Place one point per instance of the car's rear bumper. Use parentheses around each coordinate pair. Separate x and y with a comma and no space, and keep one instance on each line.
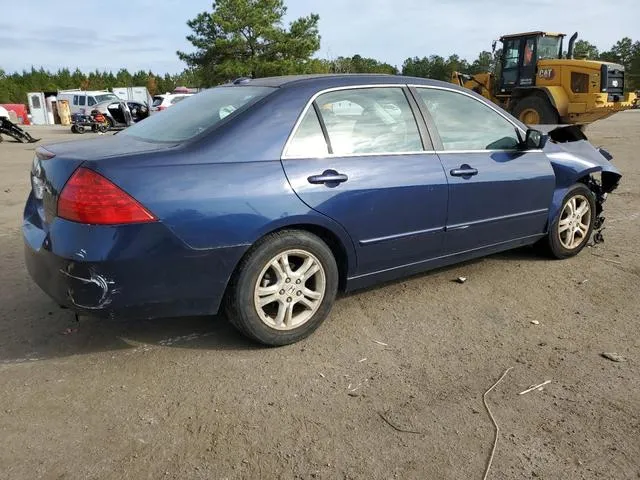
(133,271)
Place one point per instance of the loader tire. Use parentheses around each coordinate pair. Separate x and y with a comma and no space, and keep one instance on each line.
(535,110)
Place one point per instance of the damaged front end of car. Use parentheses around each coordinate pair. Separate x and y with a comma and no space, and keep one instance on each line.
(575,160)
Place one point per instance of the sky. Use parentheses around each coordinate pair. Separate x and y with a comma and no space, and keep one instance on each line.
(145,34)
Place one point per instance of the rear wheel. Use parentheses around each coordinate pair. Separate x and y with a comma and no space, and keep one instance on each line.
(284,288)
(572,229)
(535,110)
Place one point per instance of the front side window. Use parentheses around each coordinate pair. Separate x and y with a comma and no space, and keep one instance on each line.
(82,100)
(369,120)
(197,114)
(465,123)
(91,101)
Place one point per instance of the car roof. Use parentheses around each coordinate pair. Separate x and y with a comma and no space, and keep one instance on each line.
(335,80)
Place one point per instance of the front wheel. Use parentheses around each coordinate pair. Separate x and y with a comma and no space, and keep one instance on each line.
(572,229)
(284,288)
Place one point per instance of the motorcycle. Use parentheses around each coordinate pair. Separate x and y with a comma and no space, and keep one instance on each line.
(97,122)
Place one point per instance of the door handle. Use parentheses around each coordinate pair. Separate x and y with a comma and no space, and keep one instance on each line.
(330,178)
(464,171)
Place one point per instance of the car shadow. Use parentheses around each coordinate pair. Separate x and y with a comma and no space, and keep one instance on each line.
(523,254)
(33,328)
(47,332)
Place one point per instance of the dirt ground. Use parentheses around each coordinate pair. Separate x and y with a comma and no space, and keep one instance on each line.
(189,398)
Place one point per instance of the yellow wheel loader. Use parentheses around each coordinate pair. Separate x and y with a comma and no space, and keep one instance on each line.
(536,84)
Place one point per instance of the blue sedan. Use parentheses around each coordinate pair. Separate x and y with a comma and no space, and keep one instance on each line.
(265,197)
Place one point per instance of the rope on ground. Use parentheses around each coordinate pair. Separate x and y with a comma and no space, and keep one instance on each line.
(497,428)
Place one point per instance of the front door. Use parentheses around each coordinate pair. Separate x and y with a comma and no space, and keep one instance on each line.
(497,193)
(38,108)
(358,157)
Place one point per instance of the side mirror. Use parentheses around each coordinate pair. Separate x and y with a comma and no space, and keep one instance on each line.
(534,140)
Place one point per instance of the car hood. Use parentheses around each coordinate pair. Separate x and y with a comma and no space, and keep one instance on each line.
(105,147)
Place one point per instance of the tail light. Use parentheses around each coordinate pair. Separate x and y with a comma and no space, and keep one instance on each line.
(88,197)
(160,108)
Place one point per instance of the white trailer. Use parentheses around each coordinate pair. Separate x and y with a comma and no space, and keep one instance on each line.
(138,94)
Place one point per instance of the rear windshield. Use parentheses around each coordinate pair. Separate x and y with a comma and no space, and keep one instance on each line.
(196,114)
(157,101)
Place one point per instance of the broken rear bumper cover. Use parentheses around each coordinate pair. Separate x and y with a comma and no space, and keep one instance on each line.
(133,271)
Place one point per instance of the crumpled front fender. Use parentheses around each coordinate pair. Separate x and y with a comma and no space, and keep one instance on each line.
(573,159)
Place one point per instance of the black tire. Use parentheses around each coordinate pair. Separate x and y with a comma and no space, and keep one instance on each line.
(74,128)
(80,129)
(240,307)
(547,113)
(102,128)
(553,244)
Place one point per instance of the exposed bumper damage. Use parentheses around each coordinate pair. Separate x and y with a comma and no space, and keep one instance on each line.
(575,159)
(88,290)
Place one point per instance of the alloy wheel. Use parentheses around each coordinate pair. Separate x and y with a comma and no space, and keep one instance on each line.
(289,289)
(575,221)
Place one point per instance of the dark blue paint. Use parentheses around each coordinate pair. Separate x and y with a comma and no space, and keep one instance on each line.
(385,198)
(507,199)
(217,195)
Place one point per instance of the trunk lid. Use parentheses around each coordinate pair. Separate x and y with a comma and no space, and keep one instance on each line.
(54,164)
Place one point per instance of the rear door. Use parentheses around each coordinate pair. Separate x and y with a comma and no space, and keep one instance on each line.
(357,156)
(497,193)
(38,108)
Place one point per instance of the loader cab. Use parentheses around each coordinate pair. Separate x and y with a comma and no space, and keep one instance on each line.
(520,55)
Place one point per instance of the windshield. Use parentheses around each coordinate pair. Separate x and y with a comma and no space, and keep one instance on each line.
(549,47)
(157,101)
(196,114)
(106,97)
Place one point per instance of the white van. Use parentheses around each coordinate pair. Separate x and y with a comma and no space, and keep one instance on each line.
(81,101)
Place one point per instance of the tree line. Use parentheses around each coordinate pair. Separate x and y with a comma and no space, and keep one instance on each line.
(15,86)
(248,38)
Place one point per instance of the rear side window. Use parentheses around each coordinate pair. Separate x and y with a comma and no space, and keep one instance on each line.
(75,99)
(465,123)
(369,120)
(197,114)
(308,141)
